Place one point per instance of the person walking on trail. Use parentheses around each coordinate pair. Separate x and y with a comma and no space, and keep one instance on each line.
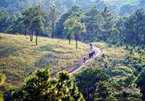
(89,54)
(91,50)
(91,46)
(84,59)
(94,53)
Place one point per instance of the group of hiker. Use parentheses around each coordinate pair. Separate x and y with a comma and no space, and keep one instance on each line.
(91,53)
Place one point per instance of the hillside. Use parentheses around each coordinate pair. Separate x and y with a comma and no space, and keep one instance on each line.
(19,57)
(117,67)
(72,50)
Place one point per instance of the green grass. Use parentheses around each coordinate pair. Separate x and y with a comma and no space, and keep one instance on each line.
(19,57)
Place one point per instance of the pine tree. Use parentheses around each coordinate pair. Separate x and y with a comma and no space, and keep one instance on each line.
(60,29)
(104,92)
(108,23)
(115,36)
(41,87)
(53,17)
(74,27)
(3,17)
(38,25)
(135,28)
(86,82)
(94,23)
(29,14)
(68,25)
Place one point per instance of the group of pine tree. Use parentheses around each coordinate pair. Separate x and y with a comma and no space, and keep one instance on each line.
(94,25)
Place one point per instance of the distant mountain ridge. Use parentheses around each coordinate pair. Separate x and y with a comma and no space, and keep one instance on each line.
(119,7)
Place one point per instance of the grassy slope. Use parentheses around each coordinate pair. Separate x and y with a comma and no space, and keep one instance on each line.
(19,57)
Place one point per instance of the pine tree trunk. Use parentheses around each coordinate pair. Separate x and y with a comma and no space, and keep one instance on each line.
(32,35)
(52,30)
(76,38)
(69,41)
(76,44)
(52,35)
(14,30)
(36,37)
(69,37)
(25,31)
(144,39)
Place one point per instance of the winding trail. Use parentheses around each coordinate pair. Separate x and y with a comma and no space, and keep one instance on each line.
(97,51)
(78,65)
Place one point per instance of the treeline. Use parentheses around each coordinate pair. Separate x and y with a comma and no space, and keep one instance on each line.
(22,22)
(100,25)
(95,25)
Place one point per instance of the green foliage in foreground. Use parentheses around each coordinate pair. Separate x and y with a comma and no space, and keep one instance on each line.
(1,97)
(2,80)
(86,82)
(41,87)
(141,83)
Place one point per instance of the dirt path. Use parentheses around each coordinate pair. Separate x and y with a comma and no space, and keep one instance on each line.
(97,50)
(78,65)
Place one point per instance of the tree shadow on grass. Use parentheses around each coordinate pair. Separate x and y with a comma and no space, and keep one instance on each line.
(9,51)
(47,47)
(46,60)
